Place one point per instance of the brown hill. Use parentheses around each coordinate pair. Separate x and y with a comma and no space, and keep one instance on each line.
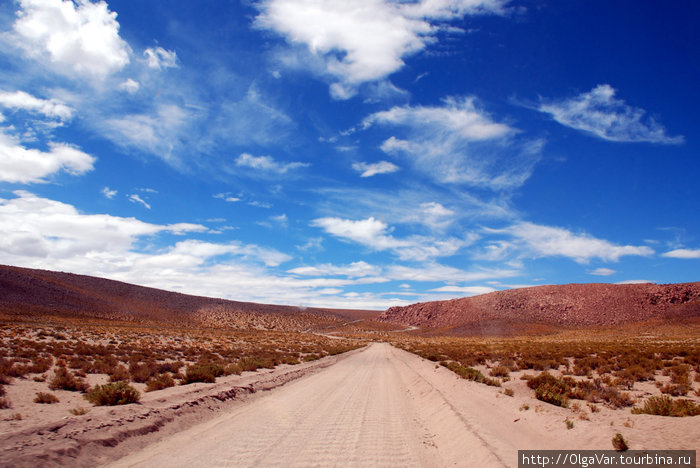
(27,292)
(574,305)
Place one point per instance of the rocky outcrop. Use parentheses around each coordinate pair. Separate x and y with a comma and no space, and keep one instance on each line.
(563,305)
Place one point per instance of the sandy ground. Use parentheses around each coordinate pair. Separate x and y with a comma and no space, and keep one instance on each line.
(386,407)
(377,406)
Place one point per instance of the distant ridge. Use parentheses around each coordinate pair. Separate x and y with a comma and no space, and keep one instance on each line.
(26,292)
(565,305)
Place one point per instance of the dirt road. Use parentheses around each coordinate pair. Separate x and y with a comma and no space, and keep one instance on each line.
(383,406)
(377,407)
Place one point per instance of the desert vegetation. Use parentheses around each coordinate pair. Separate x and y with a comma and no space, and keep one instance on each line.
(648,374)
(124,360)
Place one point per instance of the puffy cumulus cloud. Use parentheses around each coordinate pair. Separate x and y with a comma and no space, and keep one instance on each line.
(59,231)
(130,86)
(369,170)
(683,253)
(37,232)
(458,143)
(158,57)
(376,235)
(51,108)
(75,37)
(600,114)
(19,164)
(535,241)
(363,40)
(267,164)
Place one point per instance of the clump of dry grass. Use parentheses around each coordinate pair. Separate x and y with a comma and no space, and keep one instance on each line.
(160,382)
(46,398)
(114,393)
(63,379)
(470,373)
(666,406)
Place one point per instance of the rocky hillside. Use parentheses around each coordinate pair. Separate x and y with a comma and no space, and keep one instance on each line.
(565,305)
(26,292)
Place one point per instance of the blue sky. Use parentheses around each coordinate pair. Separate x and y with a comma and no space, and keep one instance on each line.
(351,154)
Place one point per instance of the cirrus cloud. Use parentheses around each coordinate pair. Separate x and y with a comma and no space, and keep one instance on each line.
(600,114)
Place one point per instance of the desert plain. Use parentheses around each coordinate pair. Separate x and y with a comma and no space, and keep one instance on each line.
(99,373)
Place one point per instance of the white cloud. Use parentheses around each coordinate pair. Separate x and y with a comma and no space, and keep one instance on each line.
(535,241)
(602,272)
(41,233)
(376,235)
(154,132)
(76,37)
(158,57)
(353,270)
(133,198)
(267,164)
(109,193)
(458,117)
(130,86)
(363,40)
(227,197)
(27,165)
(59,231)
(369,170)
(466,290)
(682,253)
(599,113)
(458,143)
(635,281)
(51,108)
(436,272)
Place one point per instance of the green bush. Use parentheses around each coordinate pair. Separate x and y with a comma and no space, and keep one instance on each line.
(550,389)
(114,393)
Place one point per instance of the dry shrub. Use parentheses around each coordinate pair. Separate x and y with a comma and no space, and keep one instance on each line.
(470,373)
(619,443)
(78,411)
(5,403)
(45,398)
(41,365)
(550,389)
(120,374)
(665,406)
(233,369)
(202,372)
(499,371)
(114,393)
(64,380)
(160,382)
(142,372)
